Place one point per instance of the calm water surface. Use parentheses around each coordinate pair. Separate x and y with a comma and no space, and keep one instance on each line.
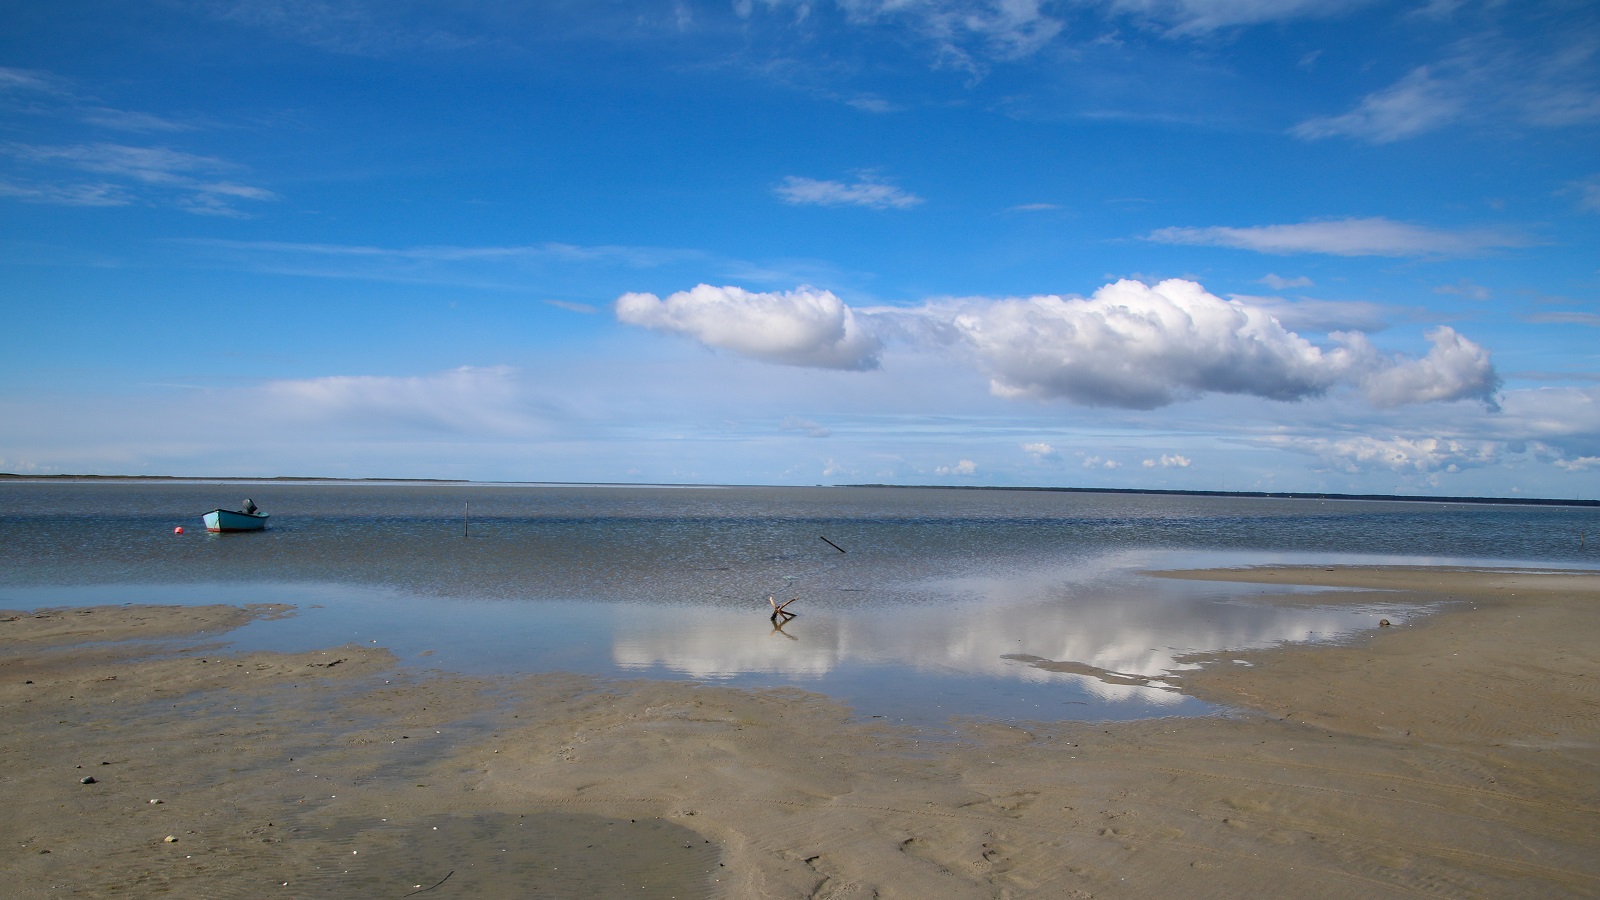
(921,618)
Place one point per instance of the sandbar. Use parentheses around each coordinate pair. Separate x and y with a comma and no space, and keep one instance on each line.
(1454,754)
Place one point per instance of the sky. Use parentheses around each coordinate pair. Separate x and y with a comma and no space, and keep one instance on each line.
(1256,245)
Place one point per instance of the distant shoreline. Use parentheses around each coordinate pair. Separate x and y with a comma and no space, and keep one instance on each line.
(1169,492)
(12,476)
(1275,495)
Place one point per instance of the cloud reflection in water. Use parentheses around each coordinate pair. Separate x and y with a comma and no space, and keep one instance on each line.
(1129,626)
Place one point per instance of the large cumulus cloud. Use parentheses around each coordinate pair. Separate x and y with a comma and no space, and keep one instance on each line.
(803,327)
(1454,369)
(1129,345)
(1138,346)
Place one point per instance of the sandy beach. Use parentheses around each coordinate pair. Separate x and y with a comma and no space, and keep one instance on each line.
(1453,755)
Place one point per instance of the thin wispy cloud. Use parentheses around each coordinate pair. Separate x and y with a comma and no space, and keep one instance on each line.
(1375,236)
(498,268)
(1586,191)
(128,120)
(465,400)
(79,194)
(1465,288)
(1279,283)
(355,27)
(28,81)
(1531,64)
(151,174)
(967,35)
(805,427)
(1182,18)
(570,306)
(52,173)
(865,191)
(1417,104)
(1564,318)
(47,95)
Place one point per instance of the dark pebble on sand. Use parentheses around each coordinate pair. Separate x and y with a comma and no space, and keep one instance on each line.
(87,779)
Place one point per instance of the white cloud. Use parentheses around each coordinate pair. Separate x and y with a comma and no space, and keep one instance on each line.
(1553,426)
(804,327)
(1042,452)
(1375,236)
(963,468)
(1398,454)
(1279,283)
(1454,369)
(1581,464)
(1565,416)
(1098,462)
(1136,346)
(1169,461)
(867,191)
(1130,345)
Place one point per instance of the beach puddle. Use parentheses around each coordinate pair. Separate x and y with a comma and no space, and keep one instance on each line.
(551,855)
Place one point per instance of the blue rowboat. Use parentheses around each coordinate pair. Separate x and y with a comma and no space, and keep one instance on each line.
(233,520)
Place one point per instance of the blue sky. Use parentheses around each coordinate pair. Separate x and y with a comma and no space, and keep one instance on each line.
(1198,244)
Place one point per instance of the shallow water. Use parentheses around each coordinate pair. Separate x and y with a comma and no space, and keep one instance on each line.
(922,616)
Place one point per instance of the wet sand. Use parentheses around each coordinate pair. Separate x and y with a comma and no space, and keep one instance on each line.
(1454,755)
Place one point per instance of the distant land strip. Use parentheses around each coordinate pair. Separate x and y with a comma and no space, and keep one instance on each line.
(1282,495)
(220,478)
(1279,495)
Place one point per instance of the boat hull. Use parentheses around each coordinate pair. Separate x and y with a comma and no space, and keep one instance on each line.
(232,520)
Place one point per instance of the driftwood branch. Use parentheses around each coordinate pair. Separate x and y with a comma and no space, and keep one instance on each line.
(778,608)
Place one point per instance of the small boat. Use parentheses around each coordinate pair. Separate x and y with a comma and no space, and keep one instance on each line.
(247,519)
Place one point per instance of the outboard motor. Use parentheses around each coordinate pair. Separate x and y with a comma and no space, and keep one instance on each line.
(250,506)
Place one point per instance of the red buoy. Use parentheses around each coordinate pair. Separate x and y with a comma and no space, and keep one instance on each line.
(178,530)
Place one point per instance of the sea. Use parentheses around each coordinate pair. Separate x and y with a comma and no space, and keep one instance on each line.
(926,606)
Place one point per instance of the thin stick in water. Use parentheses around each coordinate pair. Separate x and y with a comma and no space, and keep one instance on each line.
(431,887)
